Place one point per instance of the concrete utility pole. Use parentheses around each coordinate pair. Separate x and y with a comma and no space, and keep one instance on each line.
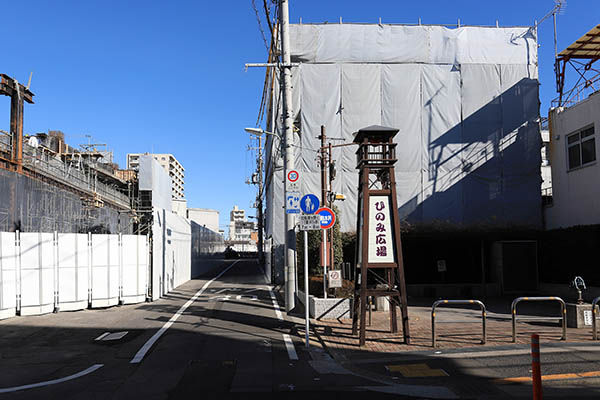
(259,205)
(290,219)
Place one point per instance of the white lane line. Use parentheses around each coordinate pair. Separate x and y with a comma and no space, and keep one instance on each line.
(289,345)
(142,352)
(54,381)
(275,304)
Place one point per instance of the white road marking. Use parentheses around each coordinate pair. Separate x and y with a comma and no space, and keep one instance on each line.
(102,336)
(142,352)
(54,381)
(275,304)
(289,345)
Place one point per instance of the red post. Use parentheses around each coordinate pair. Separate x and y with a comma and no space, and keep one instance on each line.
(536,375)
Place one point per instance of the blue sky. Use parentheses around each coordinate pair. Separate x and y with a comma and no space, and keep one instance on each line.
(168,76)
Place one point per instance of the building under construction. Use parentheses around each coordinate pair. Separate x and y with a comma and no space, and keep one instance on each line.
(465,101)
(47,185)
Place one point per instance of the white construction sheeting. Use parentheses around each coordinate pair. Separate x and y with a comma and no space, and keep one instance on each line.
(37,273)
(172,242)
(8,275)
(154,178)
(465,101)
(59,272)
(134,269)
(105,270)
(73,271)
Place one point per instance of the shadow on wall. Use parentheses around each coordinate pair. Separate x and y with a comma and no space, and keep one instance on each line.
(486,169)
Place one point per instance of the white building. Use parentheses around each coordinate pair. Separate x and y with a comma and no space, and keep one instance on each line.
(575,170)
(205,217)
(169,164)
(240,231)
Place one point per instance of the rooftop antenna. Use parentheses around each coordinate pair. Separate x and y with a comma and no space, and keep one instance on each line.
(559,9)
(29,81)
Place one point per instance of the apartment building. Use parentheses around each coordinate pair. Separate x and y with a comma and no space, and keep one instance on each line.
(169,164)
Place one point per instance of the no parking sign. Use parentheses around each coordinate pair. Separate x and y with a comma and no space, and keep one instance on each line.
(327,217)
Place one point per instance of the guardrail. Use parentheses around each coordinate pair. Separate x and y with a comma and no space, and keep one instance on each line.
(563,317)
(462,302)
(594,317)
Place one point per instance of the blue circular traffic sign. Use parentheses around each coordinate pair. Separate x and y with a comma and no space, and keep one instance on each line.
(327,217)
(309,204)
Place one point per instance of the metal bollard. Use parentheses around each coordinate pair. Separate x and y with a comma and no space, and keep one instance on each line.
(536,375)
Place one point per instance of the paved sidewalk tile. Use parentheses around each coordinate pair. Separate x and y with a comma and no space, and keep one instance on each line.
(337,334)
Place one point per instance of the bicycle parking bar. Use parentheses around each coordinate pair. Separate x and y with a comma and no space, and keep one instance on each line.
(462,302)
(594,317)
(563,317)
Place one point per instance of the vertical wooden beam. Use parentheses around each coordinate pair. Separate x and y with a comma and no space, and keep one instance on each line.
(400,259)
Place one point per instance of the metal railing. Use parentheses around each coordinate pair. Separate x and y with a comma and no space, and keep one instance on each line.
(462,302)
(595,317)
(562,318)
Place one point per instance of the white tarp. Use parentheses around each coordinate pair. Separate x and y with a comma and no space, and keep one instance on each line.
(8,275)
(154,178)
(364,43)
(465,102)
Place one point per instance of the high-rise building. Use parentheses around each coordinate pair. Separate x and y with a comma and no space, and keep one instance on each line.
(169,164)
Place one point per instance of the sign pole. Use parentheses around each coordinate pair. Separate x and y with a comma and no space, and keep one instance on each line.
(324,263)
(306,305)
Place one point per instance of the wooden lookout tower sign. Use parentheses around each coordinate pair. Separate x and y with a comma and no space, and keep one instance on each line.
(379,251)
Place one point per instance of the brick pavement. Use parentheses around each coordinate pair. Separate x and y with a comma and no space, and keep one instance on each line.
(337,334)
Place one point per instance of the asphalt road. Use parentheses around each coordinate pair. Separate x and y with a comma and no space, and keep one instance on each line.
(223,336)
(210,338)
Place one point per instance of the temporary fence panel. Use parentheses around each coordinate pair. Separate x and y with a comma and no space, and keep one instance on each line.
(105,269)
(8,275)
(134,266)
(37,259)
(73,271)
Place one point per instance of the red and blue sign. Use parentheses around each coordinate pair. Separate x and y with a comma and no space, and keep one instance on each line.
(327,217)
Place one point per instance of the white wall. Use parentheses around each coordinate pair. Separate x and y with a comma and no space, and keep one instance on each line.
(205,217)
(576,193)
(45,272)
(171,252)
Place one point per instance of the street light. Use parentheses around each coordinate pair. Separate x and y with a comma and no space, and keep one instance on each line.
(259,132)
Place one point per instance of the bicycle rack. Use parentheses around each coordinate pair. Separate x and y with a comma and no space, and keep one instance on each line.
(466,302)
(563,317)
(594,317)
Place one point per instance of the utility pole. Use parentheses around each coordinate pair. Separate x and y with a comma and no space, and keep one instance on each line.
(261,259)
(324,166)
(290,220)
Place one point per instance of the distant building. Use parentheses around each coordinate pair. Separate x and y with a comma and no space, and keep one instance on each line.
(169,164)
(179,207)
(205,217)
(240,231)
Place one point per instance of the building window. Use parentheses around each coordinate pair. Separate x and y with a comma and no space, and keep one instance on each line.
(581,148)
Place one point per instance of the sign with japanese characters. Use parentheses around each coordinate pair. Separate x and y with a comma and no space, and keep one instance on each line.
(381,245)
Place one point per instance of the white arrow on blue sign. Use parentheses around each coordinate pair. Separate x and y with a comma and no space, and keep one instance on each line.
(309,204)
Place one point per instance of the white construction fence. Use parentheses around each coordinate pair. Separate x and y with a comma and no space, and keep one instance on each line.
(48,272)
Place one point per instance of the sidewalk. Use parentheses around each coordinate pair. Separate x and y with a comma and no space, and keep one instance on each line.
(339,341)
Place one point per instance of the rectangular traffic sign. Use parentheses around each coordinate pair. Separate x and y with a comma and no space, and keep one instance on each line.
(292,203)
(310,222)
